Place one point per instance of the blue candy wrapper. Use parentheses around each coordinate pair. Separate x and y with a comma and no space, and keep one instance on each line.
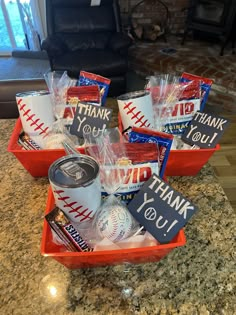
(163,140)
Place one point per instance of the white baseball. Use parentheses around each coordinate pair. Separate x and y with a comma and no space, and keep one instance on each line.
(114,223)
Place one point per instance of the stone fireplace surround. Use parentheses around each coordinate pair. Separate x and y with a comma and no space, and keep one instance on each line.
(177,14)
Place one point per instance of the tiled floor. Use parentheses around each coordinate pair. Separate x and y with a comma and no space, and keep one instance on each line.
(196,57)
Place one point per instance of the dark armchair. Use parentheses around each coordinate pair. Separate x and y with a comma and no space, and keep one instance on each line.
(82,36)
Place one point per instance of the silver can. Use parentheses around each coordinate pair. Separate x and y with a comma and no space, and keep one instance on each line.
(76,186)
(36,114)
(136,109)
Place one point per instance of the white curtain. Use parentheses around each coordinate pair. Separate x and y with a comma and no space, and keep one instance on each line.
(34,22)
(31,22)
(39,16)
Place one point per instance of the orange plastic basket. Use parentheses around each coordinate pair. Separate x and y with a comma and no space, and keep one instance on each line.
(185,162)
(188,162)
(75,260)
(36,162)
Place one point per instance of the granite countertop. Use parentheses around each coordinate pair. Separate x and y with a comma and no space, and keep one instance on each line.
(196,279)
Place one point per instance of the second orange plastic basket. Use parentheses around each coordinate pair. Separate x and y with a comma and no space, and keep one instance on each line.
(36,162)
(75,260)
(184,162)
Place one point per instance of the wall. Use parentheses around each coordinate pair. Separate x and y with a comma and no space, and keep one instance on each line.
(153,10)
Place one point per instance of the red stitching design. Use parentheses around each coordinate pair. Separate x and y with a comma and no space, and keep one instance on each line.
(115,227)
(30,117)
(136,115)
(67,204)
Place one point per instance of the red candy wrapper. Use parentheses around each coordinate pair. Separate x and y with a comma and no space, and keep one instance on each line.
(87,78)
(77,94)
(205,85)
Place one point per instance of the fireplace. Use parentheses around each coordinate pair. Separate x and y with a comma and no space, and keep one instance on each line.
(213,19)
(148,20)
(211,12)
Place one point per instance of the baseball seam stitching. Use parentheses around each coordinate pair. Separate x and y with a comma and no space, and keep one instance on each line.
(30,117)
(115,228)
(84,213)
(140,119)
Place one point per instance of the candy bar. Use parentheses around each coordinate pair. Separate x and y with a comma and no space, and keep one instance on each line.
(27,143)
(66,231)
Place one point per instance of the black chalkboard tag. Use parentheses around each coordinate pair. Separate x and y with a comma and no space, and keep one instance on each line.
(90,119)
(160,209)
(205,130)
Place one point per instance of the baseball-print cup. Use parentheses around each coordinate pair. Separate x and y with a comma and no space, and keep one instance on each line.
(76,186)
(136,109)
(36,114)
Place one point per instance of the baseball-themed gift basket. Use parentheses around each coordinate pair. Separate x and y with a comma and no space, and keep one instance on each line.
(74,259)
(45,118)
(106,207)
(108,201)
(168,104)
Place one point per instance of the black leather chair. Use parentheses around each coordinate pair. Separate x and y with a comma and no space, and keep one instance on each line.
(82,36)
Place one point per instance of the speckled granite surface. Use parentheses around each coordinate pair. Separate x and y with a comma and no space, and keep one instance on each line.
(197,279)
